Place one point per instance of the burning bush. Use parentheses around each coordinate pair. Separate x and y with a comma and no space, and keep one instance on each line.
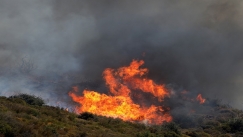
(122,83)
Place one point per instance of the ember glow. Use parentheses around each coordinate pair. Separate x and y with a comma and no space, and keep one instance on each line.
(200,99)
(121,83)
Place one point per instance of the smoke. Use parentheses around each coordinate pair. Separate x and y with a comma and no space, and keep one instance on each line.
(33,38)
(192,45)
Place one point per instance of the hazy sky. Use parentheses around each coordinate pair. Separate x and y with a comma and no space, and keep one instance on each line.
(194,45)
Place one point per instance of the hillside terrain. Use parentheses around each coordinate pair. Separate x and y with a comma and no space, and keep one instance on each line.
(26,116)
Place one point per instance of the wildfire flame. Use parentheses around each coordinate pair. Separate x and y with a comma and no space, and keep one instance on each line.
(119,104)
(200,99)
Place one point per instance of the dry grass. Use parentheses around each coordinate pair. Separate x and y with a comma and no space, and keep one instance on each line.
(21,119)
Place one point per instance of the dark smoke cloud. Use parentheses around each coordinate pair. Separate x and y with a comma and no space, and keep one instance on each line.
(194,45)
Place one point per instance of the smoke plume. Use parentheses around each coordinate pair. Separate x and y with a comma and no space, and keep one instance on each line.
(48,45)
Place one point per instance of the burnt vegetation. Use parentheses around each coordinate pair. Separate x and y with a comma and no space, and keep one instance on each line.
(26,115)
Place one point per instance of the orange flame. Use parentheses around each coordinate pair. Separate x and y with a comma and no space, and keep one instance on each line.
(121,83)
(200,99)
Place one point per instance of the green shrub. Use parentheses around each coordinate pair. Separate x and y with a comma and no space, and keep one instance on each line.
(29,99)
(226,128)
(239,134)
(3,108)
(138,126)
(71,117)
(50,130)
(197,134)
(185,121)
(233,126)
(6,130)
(171,134)
(225,135)
(18,101)
(212,132)
(236,125)
(203,134)
(143,134)
(191,133)
(171,127)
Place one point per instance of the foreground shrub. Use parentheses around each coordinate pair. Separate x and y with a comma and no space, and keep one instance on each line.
(6,130)
(171,134)
(235,125)
(86,116)
(171,127)
(197,134)
(30,99)
(185,121)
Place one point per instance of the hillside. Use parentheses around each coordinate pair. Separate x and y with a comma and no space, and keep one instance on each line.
(27,116)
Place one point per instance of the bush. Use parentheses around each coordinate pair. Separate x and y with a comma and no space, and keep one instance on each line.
(171,134)
(236,125)
(71,117)
(197,134)
(225,135)
(86,116)
(18,101)
(6,130)
(185,121)
(233,126)
(30,99)
(143,134)
(83,134)
(171,127)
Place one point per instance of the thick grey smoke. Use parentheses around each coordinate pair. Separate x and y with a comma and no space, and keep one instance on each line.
(34,38)
(193,45)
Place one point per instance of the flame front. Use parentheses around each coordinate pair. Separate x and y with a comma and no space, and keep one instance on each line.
(200,99)
(121,84)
